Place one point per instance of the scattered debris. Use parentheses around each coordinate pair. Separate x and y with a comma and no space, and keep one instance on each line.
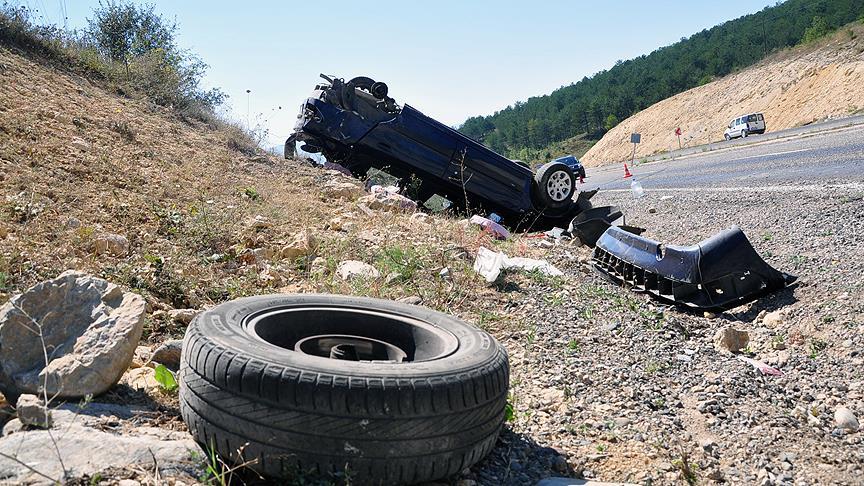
(91,326)
(495,229)
(762,367)
(388,202)
(589,225)
(721,272)
(489,264)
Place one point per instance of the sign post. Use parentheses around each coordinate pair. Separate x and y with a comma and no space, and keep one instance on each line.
(635,138)
(678,134)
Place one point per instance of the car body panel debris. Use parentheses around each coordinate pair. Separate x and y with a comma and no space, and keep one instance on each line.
(357,125)
(590,224)
(495,229)
(720,272)
(489,264)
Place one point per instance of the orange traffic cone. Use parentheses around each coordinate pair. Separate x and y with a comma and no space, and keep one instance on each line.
(627,171)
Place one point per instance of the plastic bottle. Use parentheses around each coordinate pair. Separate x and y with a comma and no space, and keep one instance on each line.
(636,189)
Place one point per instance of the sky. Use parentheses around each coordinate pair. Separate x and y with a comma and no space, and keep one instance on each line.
(450,59)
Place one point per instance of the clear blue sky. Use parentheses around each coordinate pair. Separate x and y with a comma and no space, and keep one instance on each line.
(450,59)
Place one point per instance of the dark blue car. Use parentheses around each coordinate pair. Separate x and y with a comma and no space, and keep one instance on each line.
(356,124)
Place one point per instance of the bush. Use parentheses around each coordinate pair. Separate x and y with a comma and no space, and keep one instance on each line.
(818,29)
(131,46)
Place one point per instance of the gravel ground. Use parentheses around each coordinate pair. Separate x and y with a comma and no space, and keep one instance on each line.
(610,384)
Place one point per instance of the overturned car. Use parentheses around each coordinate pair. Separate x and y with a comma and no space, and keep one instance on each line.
(357,125)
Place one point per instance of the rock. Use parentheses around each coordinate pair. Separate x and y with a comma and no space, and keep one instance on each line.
(340,190)
(87,446)
(182,316)
(128,482)
(91,326)
(351,269)
(773,319)
(31,412)
(304,243)
(111,244)
(73,223)
(389,202)
(412,299)
(259,223)
(3,231)
(256,256)
(731,339)
(845,419)
(652,210)
(80,144)
(709,315)
(168,354)
(143,379)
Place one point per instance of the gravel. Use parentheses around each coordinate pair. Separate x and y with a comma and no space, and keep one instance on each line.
(608,384)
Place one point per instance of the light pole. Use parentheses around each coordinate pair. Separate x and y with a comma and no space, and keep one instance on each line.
(248,94)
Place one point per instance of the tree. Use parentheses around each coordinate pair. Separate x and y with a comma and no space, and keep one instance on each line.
(818,28)
(610,122)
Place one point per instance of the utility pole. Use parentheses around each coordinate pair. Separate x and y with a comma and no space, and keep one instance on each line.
(248,92)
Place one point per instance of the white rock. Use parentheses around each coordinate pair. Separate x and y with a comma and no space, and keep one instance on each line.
(80,144)
(304,243)
(340,189)
(182,316)
(773,319)
(91,326)
(32,412)
(731,339)
(845,419)
(389,202)
(112,244)
(350,269)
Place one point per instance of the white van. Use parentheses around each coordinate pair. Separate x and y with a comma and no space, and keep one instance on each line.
(745,125)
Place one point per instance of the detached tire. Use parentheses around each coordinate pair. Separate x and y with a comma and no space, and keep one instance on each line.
(244,387)
(554,185)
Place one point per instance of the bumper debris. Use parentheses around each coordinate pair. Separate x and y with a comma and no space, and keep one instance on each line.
(720,272)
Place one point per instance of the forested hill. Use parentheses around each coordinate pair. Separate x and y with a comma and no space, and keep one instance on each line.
(595,104)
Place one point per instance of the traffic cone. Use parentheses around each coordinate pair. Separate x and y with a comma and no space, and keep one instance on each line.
(627,171)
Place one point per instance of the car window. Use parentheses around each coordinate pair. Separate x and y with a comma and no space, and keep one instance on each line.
(751,118)
(760,117)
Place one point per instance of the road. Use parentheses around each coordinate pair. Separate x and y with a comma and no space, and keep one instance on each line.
(834,157)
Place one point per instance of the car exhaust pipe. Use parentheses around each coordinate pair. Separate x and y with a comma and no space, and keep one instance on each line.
(718,273)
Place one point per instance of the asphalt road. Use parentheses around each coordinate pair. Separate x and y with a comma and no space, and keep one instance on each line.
(812,160)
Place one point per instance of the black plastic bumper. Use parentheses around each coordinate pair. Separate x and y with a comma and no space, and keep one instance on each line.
(720,272)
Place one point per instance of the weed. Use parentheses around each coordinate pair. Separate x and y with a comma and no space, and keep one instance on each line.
(817,346)
(798,260)
(251,193)
(530,337)
(587,311)
(486,317)
(574,345)
(767,236)
(553,300)
(4,281)
(509,411)
(165,378)
(601,447)
(687,468)
(655,366)
(826,319)
(404,262)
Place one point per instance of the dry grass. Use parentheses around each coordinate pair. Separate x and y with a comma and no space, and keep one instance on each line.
(77,162)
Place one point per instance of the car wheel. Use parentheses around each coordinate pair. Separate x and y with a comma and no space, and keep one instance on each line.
(727,137)
(554,185)
(743,133)
(322,385)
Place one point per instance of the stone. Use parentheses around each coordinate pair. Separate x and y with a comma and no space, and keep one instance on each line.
(143,379)
(128,482)
(773,319)
(259,223)
(340,190)
(83,437)
(4,232)
(411,299)
(80,144)
(731,340)
(73,223)
(652,210)
(303,244)
(389,202)
(845,419)
(111,244)
(351,269)
(182,316)
(168,354)
(91,326)
(31,412)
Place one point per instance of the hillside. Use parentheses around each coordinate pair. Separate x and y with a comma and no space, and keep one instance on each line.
(597,103)
(824,79)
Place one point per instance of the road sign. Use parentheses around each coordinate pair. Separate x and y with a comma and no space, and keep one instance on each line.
(635,137)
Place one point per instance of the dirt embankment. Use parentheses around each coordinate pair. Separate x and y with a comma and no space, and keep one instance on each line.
(793,88)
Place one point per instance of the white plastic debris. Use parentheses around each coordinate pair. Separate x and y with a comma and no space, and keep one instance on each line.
(490,226)
(489,264)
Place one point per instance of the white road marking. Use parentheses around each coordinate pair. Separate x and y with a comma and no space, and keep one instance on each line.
(855,186)
(771,155)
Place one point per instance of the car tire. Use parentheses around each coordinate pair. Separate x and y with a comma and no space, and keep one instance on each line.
(727,137)
(554,185)
(255,386)
(744,133)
